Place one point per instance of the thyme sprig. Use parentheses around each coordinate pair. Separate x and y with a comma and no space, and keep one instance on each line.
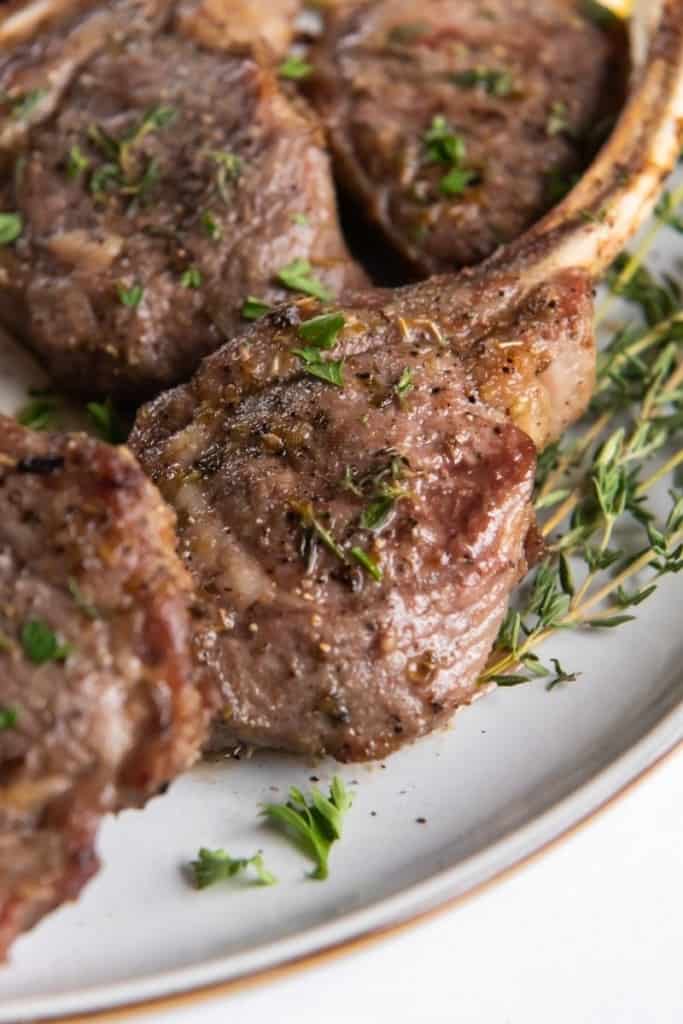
(608,546)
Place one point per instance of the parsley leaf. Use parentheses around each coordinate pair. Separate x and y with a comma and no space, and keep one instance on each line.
(314,822)
(254,308)
(11,226)
(131,297)
(322,331)
(40,413)
(8,718)
(295,69)
(192,277)
(329,370)
(298,277)
(443,145)
(40,643)
(456,181)
(218,866)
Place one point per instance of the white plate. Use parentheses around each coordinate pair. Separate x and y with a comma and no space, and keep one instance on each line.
(516,770)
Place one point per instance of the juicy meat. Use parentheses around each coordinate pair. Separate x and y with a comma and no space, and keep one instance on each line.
(98,707)
(517,85)
(159,185)
(285,487)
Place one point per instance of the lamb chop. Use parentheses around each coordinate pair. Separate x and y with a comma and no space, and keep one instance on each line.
(98,707)
(155,187)
(457,123)
(353,481)
(241,22)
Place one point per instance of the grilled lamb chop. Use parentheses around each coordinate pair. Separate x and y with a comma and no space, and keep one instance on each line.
(456,123)
(354,546)
(98,707)
(159,185)
(240,22)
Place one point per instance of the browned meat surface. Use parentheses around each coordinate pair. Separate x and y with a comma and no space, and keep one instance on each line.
(159,185)
(98,707)
(456,122)
(353,493)
(354,547)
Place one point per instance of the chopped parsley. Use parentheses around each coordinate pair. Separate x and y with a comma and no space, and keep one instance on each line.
(298,277)
(77,162)
(443,146)
(214,866)
(131,297)
(494,81)
(192,277)
(558,119)
(24,104)
(8,718)
(295,69)
(321,334)
(405,384)
(254,308)
(40,643)
(11,226)
(210,226)
(314,823)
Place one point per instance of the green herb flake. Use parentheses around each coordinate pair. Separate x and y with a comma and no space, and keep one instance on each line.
(107,422)
(40,643)
(210,226)
(368,563)
(214,866)
(405,384)
(24,104)
(442,144)
(255,308)
(295,69)
(494,81)
(8,718)
(40,413)
(130,297)
(298,276)
(104,179)
(77,162)
(322,331)
(11,227)
(378,513)
(456,181)
(81,601)
(301,219)
(191,278)
(331,371)
(558,120)
(314,823)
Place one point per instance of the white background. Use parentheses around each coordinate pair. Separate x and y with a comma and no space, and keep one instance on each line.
(589,933)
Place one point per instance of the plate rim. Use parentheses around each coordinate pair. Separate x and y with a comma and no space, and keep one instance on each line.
(440,892)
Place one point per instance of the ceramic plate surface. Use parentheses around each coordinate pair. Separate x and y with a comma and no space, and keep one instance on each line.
(513,772)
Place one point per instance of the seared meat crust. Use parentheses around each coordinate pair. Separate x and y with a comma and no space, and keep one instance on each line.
(105,713)
(159,185)
(522,84)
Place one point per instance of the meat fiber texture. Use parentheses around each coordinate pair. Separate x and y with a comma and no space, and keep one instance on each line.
(523,84)
(98,704)
(160,184)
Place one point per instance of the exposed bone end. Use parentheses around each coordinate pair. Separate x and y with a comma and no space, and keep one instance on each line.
(618,192)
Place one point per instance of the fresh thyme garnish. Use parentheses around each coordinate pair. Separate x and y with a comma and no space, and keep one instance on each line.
(8,718)
(229,170)
(404,384)
(368,563)
(314,822)
(210,226)
(595,487)
(298,276)
(313,525)
(77,162)
(254,308)
(40,643)
(295,69)
(11,226)
(214,866)
(122,170)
